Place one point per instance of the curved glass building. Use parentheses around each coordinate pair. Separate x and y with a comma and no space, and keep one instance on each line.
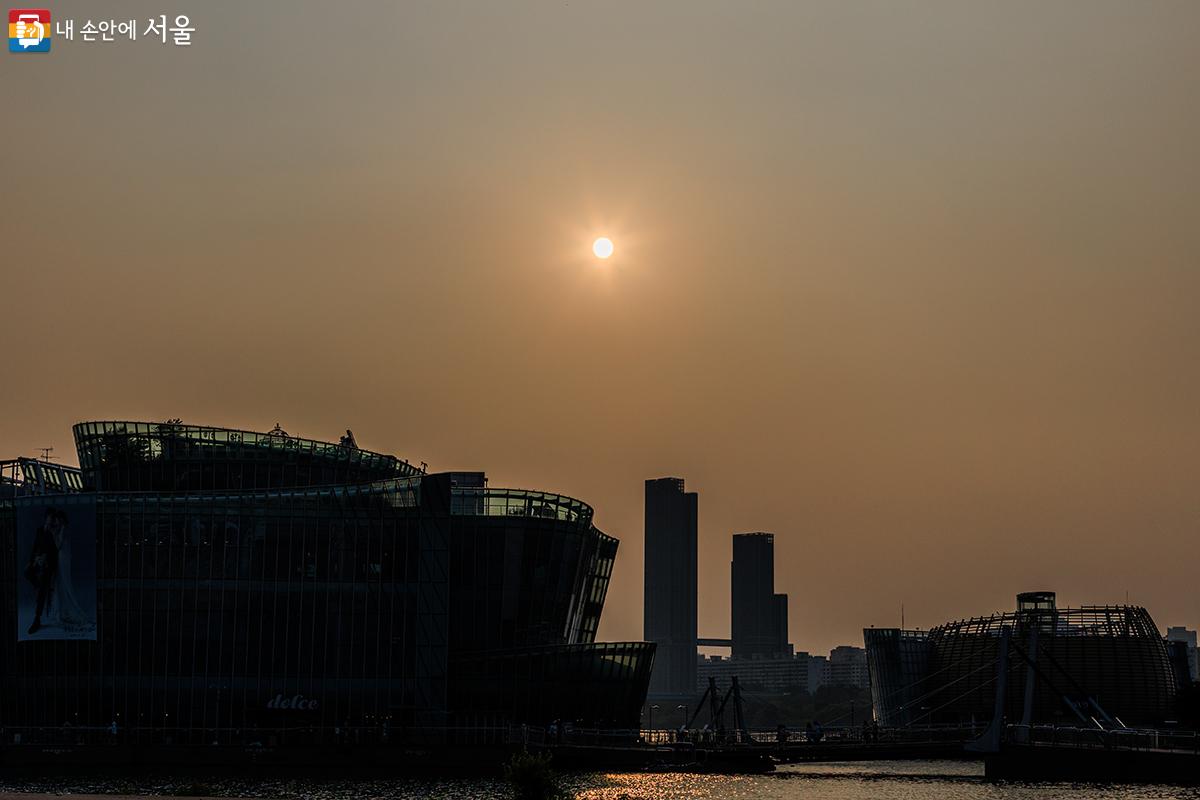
(194,585)
(1099,661)
(897,663)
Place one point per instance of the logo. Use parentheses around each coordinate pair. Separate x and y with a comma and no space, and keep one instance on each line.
(29,30)
(297,702)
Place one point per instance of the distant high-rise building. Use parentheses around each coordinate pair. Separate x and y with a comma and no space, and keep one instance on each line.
(670,587)
(759,616)
(781,625)
(798,672)
(1188,637)
(848,667)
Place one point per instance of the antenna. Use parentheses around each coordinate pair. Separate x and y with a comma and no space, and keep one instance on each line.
(46,451)
(901,616)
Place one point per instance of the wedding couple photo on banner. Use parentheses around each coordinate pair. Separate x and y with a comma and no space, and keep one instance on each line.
(56,556)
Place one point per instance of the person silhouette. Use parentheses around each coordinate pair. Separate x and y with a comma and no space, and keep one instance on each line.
(42,568)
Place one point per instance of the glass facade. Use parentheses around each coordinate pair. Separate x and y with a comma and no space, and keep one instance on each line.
(604,683)
(255,591)
(897,665)
(173,457)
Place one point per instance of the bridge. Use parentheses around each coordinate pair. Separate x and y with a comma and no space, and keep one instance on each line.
(1099,745)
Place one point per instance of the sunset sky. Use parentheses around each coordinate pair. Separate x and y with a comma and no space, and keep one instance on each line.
(915,286)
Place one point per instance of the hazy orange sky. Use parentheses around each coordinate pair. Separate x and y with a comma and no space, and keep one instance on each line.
(913,285)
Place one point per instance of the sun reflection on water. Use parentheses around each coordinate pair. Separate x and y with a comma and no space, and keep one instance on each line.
(669,786)
(881,780)
(931,780)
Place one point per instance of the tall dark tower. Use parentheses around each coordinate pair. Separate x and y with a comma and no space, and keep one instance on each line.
(759,616)
(670,588)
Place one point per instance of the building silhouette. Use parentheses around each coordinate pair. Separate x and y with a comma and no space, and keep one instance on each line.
(248,587)
(1187,638)
(897,666)
(848,667)
(798,672)
(669,616)
(759,616)
(1104,661)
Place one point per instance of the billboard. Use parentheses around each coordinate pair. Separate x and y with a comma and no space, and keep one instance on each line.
(56,568)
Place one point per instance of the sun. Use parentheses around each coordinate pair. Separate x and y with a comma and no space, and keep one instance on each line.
(602,247)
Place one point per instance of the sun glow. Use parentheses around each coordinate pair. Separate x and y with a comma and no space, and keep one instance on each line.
(602,247)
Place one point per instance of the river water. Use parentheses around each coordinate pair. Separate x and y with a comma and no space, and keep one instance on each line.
(880,780)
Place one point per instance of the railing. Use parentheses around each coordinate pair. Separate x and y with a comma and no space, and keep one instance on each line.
(401,492)
(91,433)
(33,477)
(851,735)
(518,503)
(1083,621)
(363,735)
(840,735)
(569,735)
(1108,739)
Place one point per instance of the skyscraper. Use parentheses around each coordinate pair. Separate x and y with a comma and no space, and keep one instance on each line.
(670,586)
(1188,637)
(759,616)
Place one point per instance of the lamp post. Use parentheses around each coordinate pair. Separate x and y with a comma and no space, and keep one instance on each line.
(653,708)
(684,709)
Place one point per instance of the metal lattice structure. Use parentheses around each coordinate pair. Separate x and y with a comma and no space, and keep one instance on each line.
(173,457)
(1107,660)
(29,476)
(1114,655)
